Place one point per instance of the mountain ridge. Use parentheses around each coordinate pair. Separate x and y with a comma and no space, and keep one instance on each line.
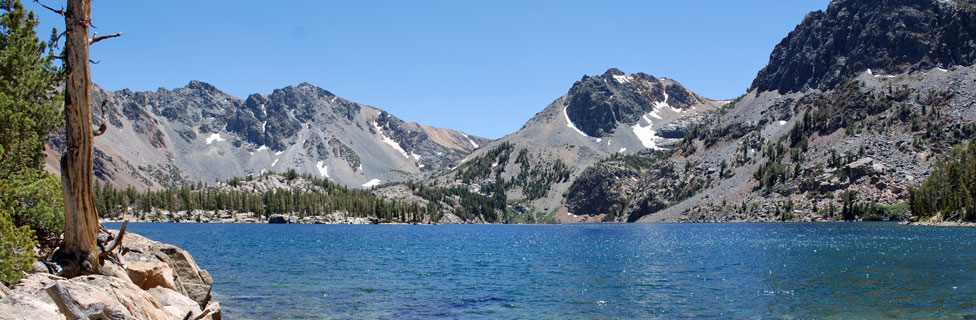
(888,36)
(849,115)
(199,133)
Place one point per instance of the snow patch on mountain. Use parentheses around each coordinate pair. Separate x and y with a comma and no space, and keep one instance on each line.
(323,169)
(622,79)
(214,138)
(371,183)
(475,145)
(390,141)
(645,134)
(571,125)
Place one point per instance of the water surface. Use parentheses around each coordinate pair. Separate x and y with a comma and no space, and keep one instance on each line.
(608,271)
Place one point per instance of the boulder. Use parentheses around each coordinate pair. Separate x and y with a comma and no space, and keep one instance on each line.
(159,281)
(191,280)
(98,297)
(177,304)
(861,168)
(278,220)
(28,300)
(152,264)
(113,270)
(211,312)
(151,274)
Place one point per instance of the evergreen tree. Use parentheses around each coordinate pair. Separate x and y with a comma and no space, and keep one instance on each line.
(29,107)
(29,102)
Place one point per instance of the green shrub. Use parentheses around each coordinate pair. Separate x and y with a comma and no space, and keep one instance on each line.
(16,249)
(35,199)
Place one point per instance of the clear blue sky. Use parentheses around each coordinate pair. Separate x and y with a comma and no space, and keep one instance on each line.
(483,67)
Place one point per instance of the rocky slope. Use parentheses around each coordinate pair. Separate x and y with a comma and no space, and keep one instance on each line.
(886,36)
(612,113)
(855,106)
(199,133)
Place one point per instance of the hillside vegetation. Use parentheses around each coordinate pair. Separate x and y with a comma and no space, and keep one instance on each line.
(950,192)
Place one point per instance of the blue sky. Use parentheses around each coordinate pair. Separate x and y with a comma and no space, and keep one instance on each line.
(483,67)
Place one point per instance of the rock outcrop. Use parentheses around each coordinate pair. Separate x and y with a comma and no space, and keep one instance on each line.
(159,281)
(598,105)
(885,36)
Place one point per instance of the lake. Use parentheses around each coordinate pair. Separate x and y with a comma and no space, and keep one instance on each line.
(603,271)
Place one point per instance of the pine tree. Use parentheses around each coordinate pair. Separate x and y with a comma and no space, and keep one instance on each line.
(29,103)
(30,111)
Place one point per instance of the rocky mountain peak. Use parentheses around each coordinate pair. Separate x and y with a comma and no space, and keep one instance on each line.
(613,72)
(199,85)
(598,104)
(887,36)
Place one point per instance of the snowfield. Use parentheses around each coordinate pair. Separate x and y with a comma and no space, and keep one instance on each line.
(390,141)
(371,183)
(214,138)
(323,169)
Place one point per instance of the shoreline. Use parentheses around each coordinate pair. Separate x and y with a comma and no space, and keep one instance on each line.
(943,224)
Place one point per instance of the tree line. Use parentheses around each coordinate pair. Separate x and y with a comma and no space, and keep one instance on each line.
(112,202)
(951,189)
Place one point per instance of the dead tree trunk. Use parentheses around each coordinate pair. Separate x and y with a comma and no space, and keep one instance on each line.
(79,253)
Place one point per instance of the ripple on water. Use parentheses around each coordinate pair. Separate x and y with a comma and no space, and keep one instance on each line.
(583,271)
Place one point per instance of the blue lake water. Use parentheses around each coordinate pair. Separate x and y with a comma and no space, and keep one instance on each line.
(608,271)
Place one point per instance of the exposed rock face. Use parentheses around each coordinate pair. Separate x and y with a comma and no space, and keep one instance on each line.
(155,264)
(109,295)
(199,133)
(630,190)
(174,302)
(161,282)
(886,36)
(598,105)
(29,301)
(601,189)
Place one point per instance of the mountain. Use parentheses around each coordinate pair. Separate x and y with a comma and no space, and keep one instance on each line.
(199,133)
(886,36)
(527,172)
(616,112)
(852,111)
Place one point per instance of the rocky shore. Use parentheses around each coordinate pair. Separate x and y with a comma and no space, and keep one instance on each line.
(943,224)
(153,281)
(224,216)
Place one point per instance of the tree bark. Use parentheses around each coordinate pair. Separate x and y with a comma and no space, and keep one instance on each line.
(81,220)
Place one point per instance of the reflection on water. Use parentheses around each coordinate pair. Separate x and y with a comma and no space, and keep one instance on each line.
(584,271)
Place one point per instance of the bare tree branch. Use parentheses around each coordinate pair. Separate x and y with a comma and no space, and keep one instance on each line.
(115,243)
(55,40)
(97,39)
(60,12)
